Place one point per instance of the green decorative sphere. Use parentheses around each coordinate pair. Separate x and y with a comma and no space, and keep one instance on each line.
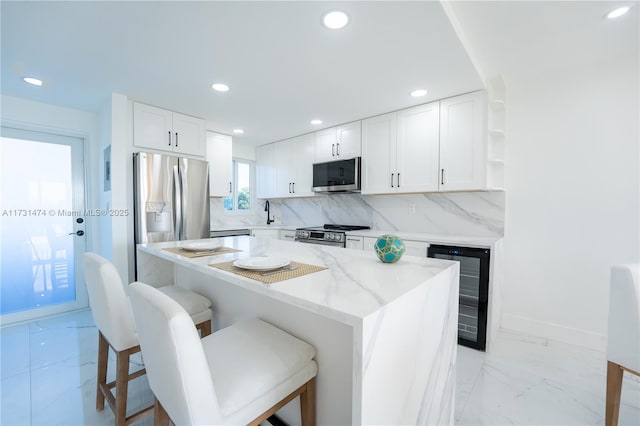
(389,248)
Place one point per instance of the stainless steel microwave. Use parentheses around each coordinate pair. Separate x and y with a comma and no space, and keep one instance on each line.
(337,176)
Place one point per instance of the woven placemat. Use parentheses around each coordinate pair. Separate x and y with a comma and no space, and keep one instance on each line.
(300,269)
(191,254)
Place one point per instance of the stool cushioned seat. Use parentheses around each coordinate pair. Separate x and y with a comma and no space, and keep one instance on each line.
(239,375)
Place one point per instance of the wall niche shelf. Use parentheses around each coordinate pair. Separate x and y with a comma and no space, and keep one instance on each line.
(497,133)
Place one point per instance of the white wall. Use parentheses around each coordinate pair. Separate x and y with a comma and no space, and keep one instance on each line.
(572,198)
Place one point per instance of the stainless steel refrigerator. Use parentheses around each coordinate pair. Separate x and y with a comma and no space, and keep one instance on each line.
(171,198)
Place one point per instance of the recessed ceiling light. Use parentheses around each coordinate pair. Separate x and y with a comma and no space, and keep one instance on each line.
(238,131)
(316,121)
(335,19)
(33,81)
(220,87)
(418,93)
(618,12)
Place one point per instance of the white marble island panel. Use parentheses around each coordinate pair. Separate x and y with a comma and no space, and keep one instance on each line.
(385,334)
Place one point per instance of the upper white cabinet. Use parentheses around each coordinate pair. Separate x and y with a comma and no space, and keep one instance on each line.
(341,142)
(433,147)
(219,150)
(463,156)
(400,151)
(293,160)
(164,130)
(265,171)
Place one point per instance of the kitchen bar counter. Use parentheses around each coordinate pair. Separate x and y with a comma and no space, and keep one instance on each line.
(385,334)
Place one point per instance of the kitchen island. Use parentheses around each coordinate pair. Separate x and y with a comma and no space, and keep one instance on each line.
(385,334)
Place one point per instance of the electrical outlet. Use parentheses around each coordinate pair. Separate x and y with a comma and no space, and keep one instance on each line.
(412,207)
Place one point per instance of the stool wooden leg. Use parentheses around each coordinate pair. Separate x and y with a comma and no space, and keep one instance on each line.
(614,389)
(103,358)
(160,416)
(205,328)
(122,387)
(308,404)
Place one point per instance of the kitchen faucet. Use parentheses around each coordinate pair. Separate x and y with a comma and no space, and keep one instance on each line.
(266,209)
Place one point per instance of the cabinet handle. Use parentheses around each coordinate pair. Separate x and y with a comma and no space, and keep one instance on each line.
(338,149)
(229,187)
(441,176)
(176,139)
(353,239)
(399,180)
(333,152)
(169,137)
(289,187)
(293,185)
(392,179)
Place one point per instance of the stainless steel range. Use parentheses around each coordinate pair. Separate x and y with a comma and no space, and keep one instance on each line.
(328,235)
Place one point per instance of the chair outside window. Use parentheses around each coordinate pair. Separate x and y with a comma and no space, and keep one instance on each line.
(241,374)
(112,314)
(623,340)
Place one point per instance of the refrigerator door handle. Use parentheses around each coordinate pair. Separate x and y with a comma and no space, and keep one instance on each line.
(177,203)
(184,198)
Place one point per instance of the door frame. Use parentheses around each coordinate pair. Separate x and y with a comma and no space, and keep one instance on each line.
(82,297)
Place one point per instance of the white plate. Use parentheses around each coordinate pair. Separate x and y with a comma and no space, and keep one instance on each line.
(203,246)
(266,263)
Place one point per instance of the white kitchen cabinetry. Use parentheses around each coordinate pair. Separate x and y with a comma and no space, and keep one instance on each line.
(369,243)
(462,143)
(400,151)
(265,172)
(335,143)
(164,130)
(219,149)
(271,234)
(288,234)
(354,242)
(293,160)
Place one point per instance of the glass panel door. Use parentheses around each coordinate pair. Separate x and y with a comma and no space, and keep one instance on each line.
(42,224)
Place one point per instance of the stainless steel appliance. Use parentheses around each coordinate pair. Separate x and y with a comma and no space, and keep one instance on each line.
(171,198)
(328,235)
(474,291)
(337,176)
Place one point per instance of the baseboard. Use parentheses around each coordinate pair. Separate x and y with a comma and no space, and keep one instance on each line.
(561,333)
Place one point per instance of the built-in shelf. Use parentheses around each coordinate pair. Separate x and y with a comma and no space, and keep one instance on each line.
(496,161)
(497,105)
(496,132)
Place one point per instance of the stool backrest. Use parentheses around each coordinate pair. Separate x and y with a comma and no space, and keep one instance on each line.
(176,365)
(109,302)
(623,339)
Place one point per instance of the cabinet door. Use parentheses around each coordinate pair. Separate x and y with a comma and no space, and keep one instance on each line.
(219,150)
(348,140)
(304,156)
(152,127)
(415,248)
(271,234)
(379,154)
(355,243)
(369,243)
(189,135)
(462,143)
(284,161)
(325,145)
(418,148)
(265,171)
(287,235)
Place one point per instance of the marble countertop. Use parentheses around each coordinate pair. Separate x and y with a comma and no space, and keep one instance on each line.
(233,227)
(459,240)
(355,285)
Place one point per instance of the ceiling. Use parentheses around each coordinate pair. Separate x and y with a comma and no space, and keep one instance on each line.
(284,68)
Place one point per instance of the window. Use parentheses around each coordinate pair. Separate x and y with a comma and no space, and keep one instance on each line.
(240,199)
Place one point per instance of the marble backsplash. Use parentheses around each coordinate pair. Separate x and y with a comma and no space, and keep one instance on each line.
(466,213)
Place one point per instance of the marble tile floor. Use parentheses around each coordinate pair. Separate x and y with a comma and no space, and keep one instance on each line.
(48,370)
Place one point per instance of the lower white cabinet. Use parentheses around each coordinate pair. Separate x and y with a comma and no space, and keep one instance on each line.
(353,242)
(272,234)
(287,234)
